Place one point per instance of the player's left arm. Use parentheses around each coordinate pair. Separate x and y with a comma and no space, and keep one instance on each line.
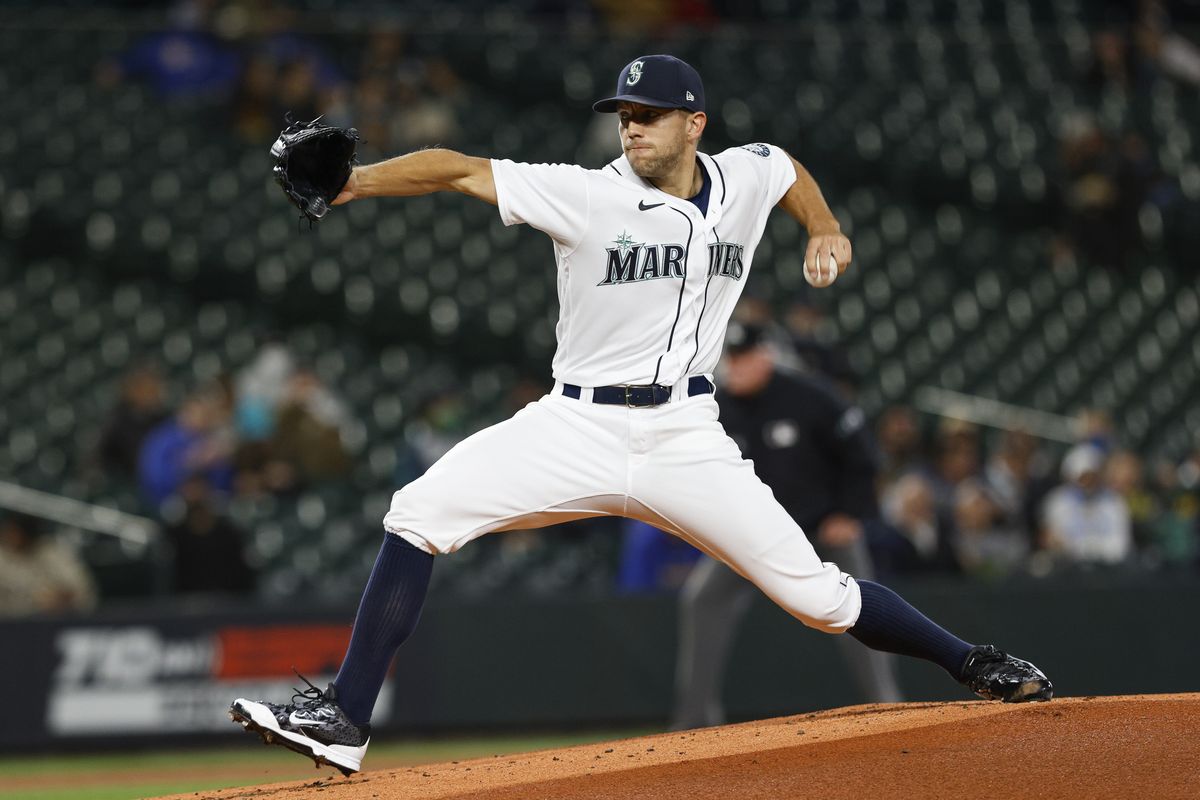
(422,172)
(827,245)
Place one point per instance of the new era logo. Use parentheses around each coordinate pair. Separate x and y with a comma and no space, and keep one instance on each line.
(690,96)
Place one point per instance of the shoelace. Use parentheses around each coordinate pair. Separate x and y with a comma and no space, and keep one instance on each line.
(989,655)
(309,697)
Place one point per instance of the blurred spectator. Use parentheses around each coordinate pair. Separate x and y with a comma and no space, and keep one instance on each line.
(140,409)
(1123,474)
(597,144)
(290,428)
(178,64)
(753,309)
(652,560)
(1138,46)
(1115,64)
(1083,521)
(632,19)
(443,423)
(209,548)
(524,391)
(1017,480)
(988,543)
(1104,182)
(39,574)
(258,391)
(195,440)
(403,102)
(957,458)
(426,112)
(1178,56)
(335,104)
(899,440)
(650,17)
(373,109)
(278,39)
(1095,426)
(910,538)
(253,102)
(824,358)
(1007,471)
(296,92)
(1188,474)
(286,72)
(308,434)
(384,53)
(1175,536)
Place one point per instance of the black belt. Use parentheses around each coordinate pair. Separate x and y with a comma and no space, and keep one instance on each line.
(654,394)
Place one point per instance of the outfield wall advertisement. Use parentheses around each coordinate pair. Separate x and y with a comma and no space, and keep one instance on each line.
(170,672)
(155,677)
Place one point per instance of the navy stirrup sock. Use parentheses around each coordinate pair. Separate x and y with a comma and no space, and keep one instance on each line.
(887,622)
(387,614)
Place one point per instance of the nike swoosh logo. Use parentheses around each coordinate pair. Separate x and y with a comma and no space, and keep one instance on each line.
(300,722)
(643,207)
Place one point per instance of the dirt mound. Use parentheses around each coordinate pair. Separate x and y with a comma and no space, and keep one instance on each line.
(1075,747)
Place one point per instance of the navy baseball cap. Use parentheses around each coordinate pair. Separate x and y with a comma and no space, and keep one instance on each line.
(741,337)
(661,81)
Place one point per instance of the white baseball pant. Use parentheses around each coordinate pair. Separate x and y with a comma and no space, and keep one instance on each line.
(673,465)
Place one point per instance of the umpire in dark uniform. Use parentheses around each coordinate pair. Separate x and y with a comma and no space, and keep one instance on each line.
(815,452)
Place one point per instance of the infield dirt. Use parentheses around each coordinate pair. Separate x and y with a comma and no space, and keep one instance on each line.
(1145,746)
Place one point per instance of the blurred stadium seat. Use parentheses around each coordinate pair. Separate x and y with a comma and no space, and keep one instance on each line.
(136,228)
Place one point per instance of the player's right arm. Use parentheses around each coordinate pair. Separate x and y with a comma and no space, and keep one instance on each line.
(422,172)
(790,186)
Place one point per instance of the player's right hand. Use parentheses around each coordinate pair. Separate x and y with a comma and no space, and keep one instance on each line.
(827,256)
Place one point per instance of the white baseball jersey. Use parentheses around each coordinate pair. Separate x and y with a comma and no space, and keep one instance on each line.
(646,283)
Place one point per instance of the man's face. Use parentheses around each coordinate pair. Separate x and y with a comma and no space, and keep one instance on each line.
(898,431)
(655,139)
(748,372)
(1089,481)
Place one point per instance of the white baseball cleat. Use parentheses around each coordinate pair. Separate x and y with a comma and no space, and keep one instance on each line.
(312,725)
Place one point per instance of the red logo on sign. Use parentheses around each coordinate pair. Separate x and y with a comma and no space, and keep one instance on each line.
(273,651)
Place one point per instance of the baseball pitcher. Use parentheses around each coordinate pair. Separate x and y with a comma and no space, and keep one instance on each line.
(651,254)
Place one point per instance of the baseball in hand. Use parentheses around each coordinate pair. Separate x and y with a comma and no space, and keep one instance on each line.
(821,275)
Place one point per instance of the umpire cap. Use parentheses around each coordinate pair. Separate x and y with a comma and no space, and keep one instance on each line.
(661,81)
(741,337)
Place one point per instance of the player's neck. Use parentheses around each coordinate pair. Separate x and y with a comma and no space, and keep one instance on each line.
(684,182)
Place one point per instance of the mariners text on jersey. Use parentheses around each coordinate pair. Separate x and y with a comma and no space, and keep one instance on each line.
(646,281)
(629,262)
(725,259)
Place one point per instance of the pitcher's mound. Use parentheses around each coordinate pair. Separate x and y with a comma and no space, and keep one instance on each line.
(1145,746)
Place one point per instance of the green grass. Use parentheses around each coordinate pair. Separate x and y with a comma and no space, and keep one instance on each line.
(115,792)
(141,774)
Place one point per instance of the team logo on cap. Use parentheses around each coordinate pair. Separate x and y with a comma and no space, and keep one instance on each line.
(635,73)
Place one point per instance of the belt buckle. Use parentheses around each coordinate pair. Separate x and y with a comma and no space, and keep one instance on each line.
(653,399)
